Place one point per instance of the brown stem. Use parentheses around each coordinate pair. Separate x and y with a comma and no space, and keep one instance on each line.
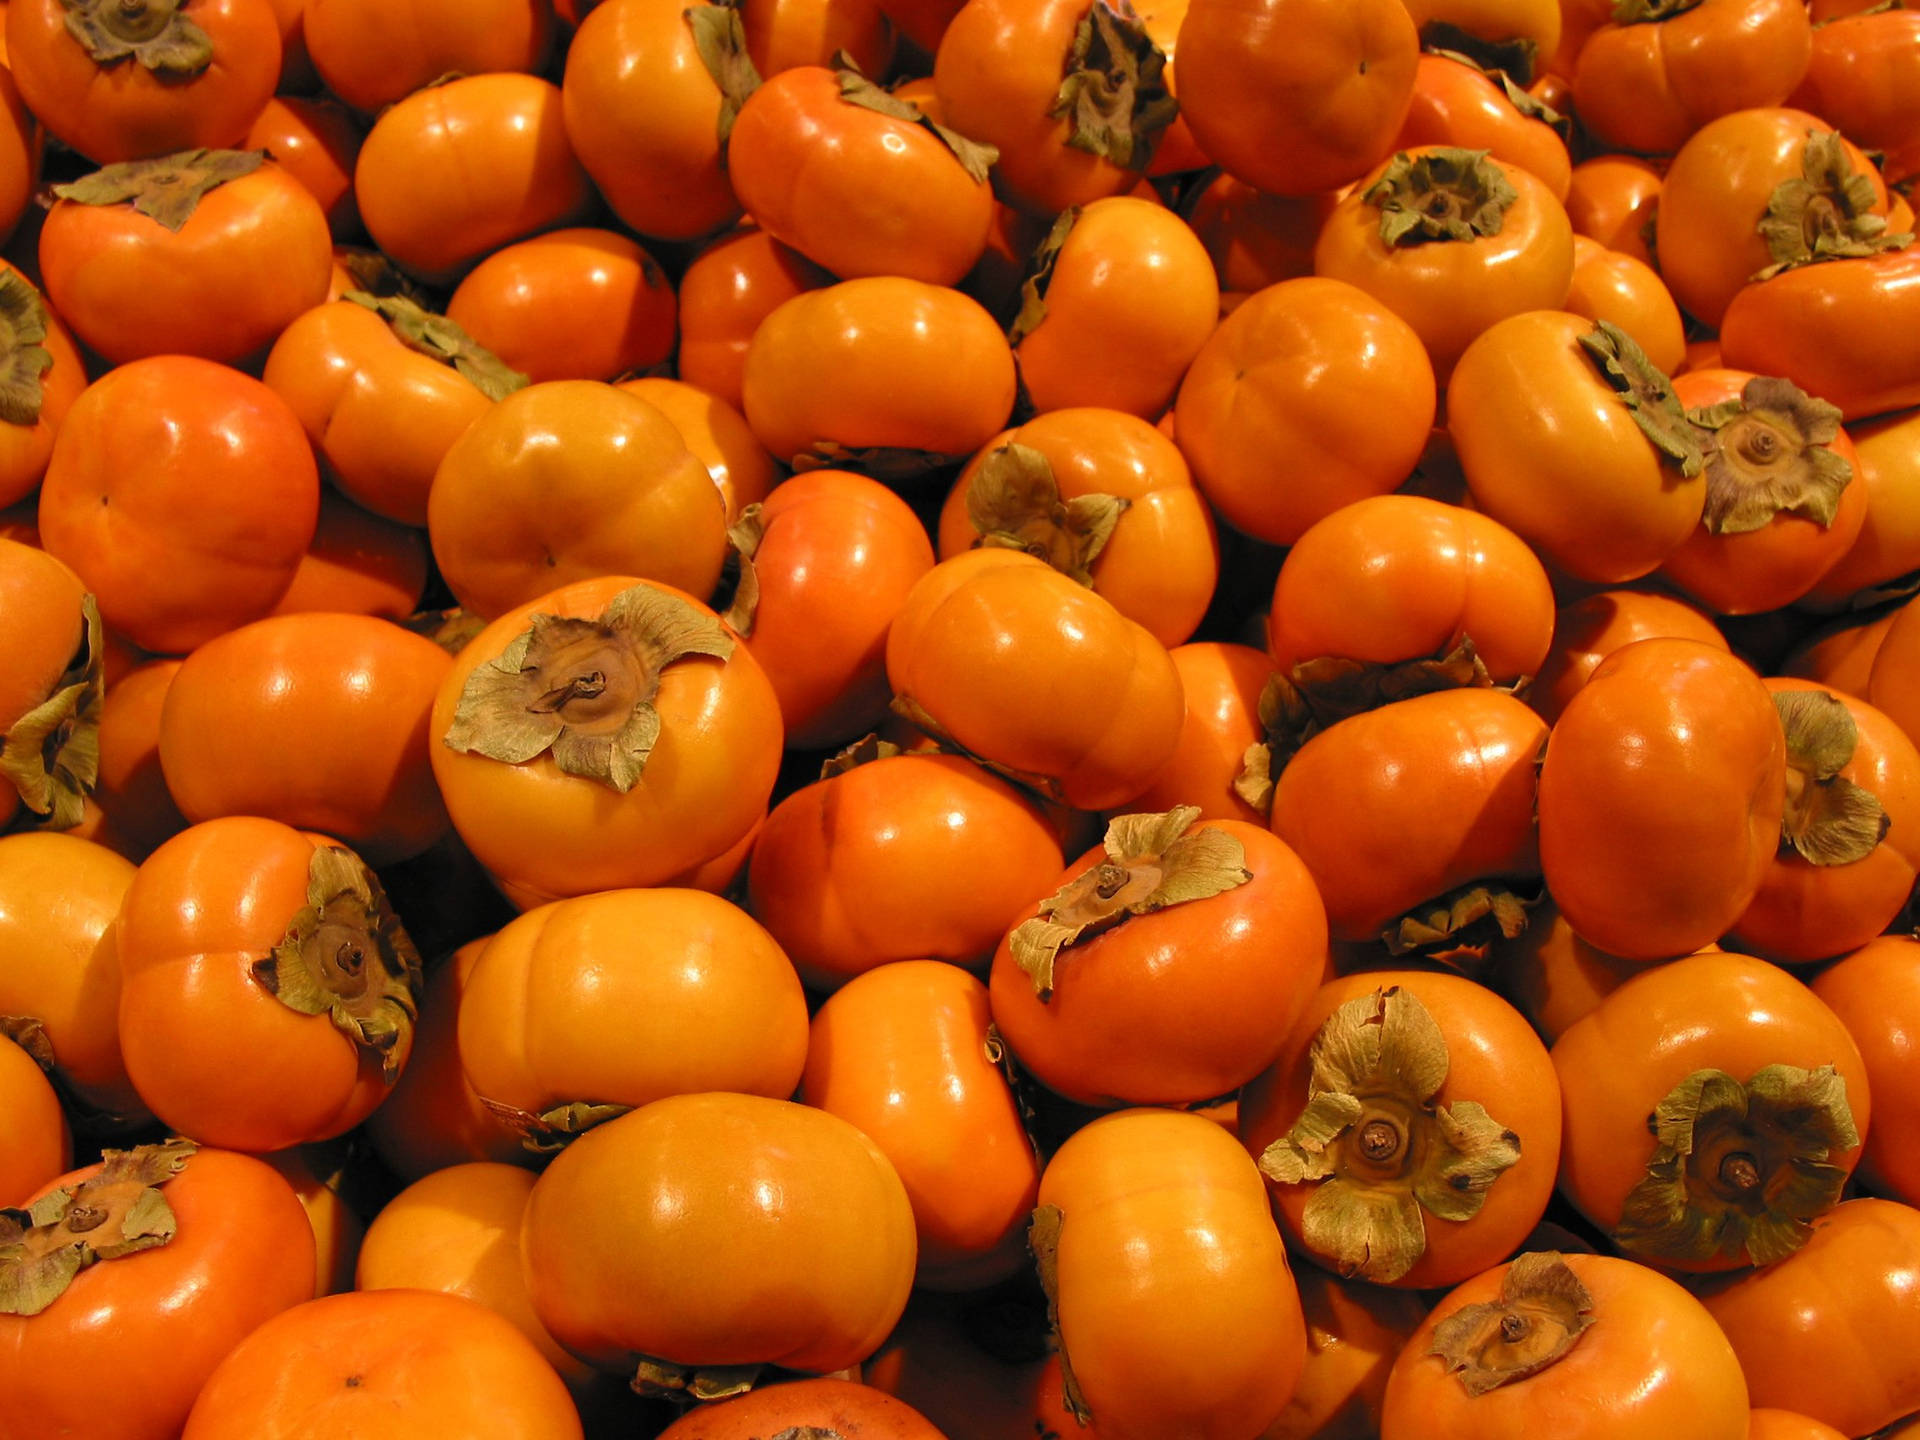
(1740,1172)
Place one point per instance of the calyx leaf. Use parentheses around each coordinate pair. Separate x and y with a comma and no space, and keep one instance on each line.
(151,33)
(51,754)
(1114,92)
(1542,1311)
(23,351)
(346,956)
(743,538)
(1153,861)
(852,756)
(1516,56)
(663,1379)
(1381,1151)
(166,189)
(1828,820)
(1647,392)
(1824,213)
(119,1210)
(1043,1243)
(1739,1169)
(975,157)
(1014,503)
(582,690)
(1768,453)
(720,38)
(1649,12)
(439,338)
(1441,194)
(1039,275)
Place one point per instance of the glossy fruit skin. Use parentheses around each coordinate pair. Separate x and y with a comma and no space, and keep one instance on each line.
(36,1143)
(623,996)
(1717,1011)
(359,564)
(1161,564)
(902,1053)
(316,140)
(1552,976)
(1458,105)
(1587,630)
(22,144)
(718,435)
(1167,1249)
(1634,872)
(567,480)
(457,1231)
(200,910)
(160,1320)
(1765,1424)
(1892,685)
(855,191)
(1096,708)
(1400,805)
(549,834)
(1221,682)
(453,172)
(47,596)
(254,254)
(880,361)
(837,1406)
(1354,1331)
(1451,291)
(212,490)
(732,1206)
(1793,1323)
(1402,577)
(1807,912)
(385,1364)
(1652,1364)
(1309,396)
(1888,454)
(1647,87)
(1493,1058)
(1618,286)
(838,556)
(1862,79)
(126,112)
(372,55)
(316,720)
(1614,199)
(733,283)
(903,858)
(1873,991)
(59,895)
(1177,1006)
(1551,451)
(1130,300)
(1290,117)
(25,449)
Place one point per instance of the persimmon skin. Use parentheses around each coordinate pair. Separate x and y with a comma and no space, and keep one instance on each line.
(1458,105)
(372,55)
(1221,683)
(1652,1365)
(1874,991)
(1617,286)
(837,1406)
(1717,1011)
(36,1144)
(1587,630)
(734,282)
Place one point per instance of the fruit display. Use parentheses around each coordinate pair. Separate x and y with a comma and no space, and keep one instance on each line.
(959,719)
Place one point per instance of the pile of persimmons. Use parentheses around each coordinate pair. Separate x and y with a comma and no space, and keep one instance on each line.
(894,719)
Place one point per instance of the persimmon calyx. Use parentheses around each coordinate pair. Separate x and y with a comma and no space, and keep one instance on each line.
(439,338)
(582,690)
(1649,12)
(1646,391)
(1152,861)
(1114,94)
(151,33)
(864,751)
(23,350)
(743,540)
(1043,1243)
(720,39)
(1542,1311)
(1473,914)
(119,1211)
(975,157)
(346,956)
(166,189)
(29,1032)
(1014,503)
(1825,212)
(880,462)
(1739,1168)
(1039,275)
(663,1379)
(51,754)
(1516,56)
(1380,1150)
(549,1131)
(1828,820)
(1767,453)
(1439,195)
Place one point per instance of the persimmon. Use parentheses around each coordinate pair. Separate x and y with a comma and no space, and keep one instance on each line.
(372,55)
(54,679)
(1614,199)
(359,563)
(781,34)
(36,401)
(1863,77)
(1872,990)
(1221,683)
(1839,655)
(1887,457)
(36,1143)
(1256,239)
(316,141)
(718,435)
(1457,103)
(1617,286)
(1587,630)
(735,281)
(1354,1331)
(1892,684)
(826,1404)
(137,810)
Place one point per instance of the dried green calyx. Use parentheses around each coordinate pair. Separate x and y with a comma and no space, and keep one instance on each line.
(864,751)
(1014,503)
(1113,91)
(1739,1170)
(1828,820)
(1647,392)
(1475,914)
(550,1131)
(1380,1150)
(1649,12)
(1825,212)
(1043,1243)
(166,189)
(1441,194)
(743,539)
(23,351)
(1516,56)
(720,39)
(119,1210)
(1542,1311)
(1039,275)
(665,1380)
(151,33)
(1152,861)
(1767,453)
(346,956)
(856,89)
(582,690)
(441,339)
(51,754)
